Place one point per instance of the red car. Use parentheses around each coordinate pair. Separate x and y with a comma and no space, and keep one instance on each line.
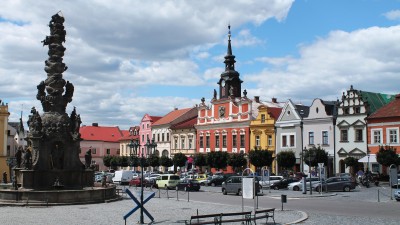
(136,182)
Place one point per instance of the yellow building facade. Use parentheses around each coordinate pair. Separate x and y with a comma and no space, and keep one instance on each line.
(262,131)
(4,114)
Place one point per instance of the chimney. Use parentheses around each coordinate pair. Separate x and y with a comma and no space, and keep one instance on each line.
(95,124)
(176,108)
(274,100)
(257,99)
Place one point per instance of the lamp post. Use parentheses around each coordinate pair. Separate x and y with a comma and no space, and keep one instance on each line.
(309,165)
(149,146)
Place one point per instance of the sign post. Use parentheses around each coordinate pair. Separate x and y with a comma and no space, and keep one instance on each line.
(320,166)
(138,205)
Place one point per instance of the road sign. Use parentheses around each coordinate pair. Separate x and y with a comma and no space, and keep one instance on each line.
(138,205)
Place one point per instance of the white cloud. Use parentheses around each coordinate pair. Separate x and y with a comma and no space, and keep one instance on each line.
(393,15)
(367,58)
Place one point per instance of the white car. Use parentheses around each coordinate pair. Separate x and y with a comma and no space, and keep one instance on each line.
(266,182)
(297,186)
(397,194)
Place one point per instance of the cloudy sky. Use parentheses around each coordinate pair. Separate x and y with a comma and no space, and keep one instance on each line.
(127,58)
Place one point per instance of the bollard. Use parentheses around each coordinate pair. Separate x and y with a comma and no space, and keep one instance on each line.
(283,200)
(177,197)
(188,195)
(378,196)
(167,194)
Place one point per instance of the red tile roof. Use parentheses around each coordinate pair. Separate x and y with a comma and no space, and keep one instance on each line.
(155,118)
(98,133)
(185,124)
(274,112)
(392,109)
(171,116)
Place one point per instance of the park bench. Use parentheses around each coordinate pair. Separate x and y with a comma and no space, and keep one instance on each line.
(264,213)
(220,218)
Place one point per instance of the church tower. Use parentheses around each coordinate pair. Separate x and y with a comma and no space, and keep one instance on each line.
(229,83)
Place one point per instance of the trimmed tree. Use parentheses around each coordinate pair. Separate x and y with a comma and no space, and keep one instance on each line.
(286,159)
(166,162)
(217,160)
(107,160)
(352,163)
(179,160)
(154,160)
(200,160)
(315,155)
(260,158)
(237,161)
(124,161)
(387,156)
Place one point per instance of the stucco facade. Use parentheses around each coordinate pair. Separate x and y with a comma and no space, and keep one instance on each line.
(4,151)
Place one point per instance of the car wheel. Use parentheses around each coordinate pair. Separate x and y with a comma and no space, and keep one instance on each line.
(276,188)
(295,188)
(213,184)
(202,184)
(346,189)
(224,191)
(240,192)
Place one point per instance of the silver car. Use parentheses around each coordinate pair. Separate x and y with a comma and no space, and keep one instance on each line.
(297,186)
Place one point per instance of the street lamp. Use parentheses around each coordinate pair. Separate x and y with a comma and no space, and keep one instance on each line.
(149,146)
(309,165)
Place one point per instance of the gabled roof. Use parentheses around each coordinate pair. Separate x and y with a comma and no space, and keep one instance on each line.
(98,133)
(171,116)
(392,109)
(274,112)
(185,124)
(155,118)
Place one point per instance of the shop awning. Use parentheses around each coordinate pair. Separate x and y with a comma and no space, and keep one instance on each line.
(372,159)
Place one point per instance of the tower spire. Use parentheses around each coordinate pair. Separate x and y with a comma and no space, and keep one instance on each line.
(229,58)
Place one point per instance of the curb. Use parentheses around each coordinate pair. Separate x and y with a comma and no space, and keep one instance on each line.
(304,216)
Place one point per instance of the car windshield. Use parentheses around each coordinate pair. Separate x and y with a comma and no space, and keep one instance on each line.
(175,177)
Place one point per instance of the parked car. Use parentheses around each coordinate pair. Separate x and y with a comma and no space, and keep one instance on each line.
(397,194)
(122,177)
(272,179)
(217,180)
(396,185)
(167,181)
(233,184)
(297,186)
(335,184)
(99,176)
(200,177)
(188,185)
(283,184)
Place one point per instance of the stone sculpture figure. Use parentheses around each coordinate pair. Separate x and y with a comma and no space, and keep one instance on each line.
(18,157)
(28,159)
(88,158)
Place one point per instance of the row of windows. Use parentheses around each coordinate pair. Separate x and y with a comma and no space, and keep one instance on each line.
(269,139)
(376,136)
(160,138)
(325,138)
(183,143)
(224,142)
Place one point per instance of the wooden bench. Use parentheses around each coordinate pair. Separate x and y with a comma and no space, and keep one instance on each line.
(204,219)
(264,213)
(239,217)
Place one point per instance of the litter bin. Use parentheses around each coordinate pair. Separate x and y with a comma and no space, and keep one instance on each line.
(283,199)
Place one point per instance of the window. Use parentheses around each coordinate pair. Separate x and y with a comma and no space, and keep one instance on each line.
(217,141)
(154,137)
(190,143)
(108,151)
(234,141)
(176,143)
(94,151)
(158,137)
(262,118)
(269,140)
(224,141)
(343,135)
(118,151)
(147,125)
(346,111)
(376,136)
(182,143)
(393,136)
(325,137)
(207,141)
(142,137)
(142,126)
(201,142)
(167,136)
(284,141)
(310,138)
(357,110)
(291,140)
(162,137)
(359,134)
(242,141)
(257,141)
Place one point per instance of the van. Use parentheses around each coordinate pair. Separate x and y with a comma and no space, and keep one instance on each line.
(167,181)
(122,176)
(233,184)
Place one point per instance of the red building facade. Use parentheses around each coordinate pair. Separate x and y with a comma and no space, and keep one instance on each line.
(224,124)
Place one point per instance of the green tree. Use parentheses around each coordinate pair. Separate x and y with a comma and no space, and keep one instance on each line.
(260,158)
(154,160)
(352,163)
(114,162)
(124,161)
(107,160)
(286,159)
(200,160)
(237,161)
(166,162)
(315,155)
(217,160)
(134,161)
(387,156)
(179,160)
